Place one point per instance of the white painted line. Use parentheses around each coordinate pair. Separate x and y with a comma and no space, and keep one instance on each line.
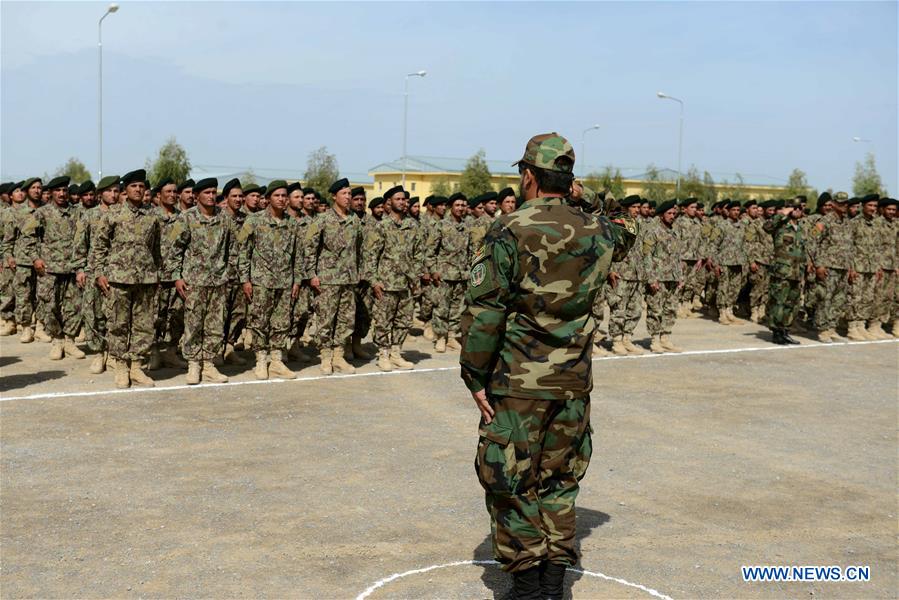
(382,582)
(174,388)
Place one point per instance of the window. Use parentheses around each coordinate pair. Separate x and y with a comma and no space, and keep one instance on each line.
(413,186)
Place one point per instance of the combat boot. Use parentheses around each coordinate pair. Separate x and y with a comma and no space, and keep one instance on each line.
(600,350)
(71,350)
(211,374)
(525,585)
(631,347)
(552,580)
(723,318)
(339,363)
(876,329)
(41,335)
(440,345)
(451,342)
(656,346)
(397,360)
(824,336)
(327,364)
(618,346)
(855,334)
(232,357)
(777,337)
(8,327)
(428,333)
(358,351)
(81,337)
(193,372)
(754,316)
(894,328)
(277,368)
(787,337)
(697,303)
(170,358)
(295,352)
(137,375)
(261,370)
(98,365)
(384,360)
(348,351)
(683,310)
(122,377)
(155,359)
(835,337)
(27,335)
(667,344)
(733,318)
(56,349)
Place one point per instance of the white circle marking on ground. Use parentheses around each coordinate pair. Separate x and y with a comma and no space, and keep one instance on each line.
(382,582)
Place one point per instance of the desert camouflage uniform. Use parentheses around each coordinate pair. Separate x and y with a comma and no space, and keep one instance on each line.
(812,289)
(887,293)
(831,248)
(662,250)
(429,293)
(730,255)
(7,290)
(626,298)
(301,310)
(478,228)
(866,261)
(759,250)
(689,232)
(236,302)
(170,315)
(332,253)
(787,266)
(449,252)
(528,343)
(94,302)
(710,234)
(24,282)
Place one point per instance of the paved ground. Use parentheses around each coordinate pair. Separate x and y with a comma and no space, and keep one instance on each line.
(325,488)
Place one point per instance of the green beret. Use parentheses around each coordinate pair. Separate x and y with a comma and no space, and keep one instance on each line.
(339,185)
(73,189)
(107,182)
(376,202)
(665,206)
(276,184)
(86,187)
(57,182)
(251,189)
(206,184)
(30,182)
(138,176)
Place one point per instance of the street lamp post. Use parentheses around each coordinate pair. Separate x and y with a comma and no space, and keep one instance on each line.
(584,146)
(680,137)
(406,114)
(111,9)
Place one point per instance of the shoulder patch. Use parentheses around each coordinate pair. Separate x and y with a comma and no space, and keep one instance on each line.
(478,274)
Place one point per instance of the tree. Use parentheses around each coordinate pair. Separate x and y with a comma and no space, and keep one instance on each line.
(476,179)
(172,162)
(709,192)
(442,188)
(321,170)
(797,184)
(866,179)
(691,186)
(606,181)
(248,178)
(75,170)
(653,185)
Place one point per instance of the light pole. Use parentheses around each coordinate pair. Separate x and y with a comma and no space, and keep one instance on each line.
(406,114)
(858,139)
(680,137)
(111,9)
(584,146)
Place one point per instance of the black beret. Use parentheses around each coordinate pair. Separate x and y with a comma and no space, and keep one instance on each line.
(376,202)
(779,203)
(883,202)
(869,198)
(309,190)
(700,205)
(473,202)
(251,189)
(6,188)
(107,182)
(73,189)
(764,204)
(651,203)
(458,196)
(273,185)
(665,206)
(407,194)
(205,184)
(687,202)
(232,184)
(750,203)
(187,183)
(16,185)
(317,195)
(488,196)
(294,187)
(734,204)
(428,200)
(394,190)
(219,198)
(339,185)
(57,182)
(162,183)
(438,200)
(262,189)
(854,200)
(824,197)
(630,200)
(86,187)
(801,198)
(357,191)
(147,183)
(504,193)
(414,199)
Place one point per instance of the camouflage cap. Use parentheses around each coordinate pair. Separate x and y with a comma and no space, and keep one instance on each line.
(841,197)
(544,151)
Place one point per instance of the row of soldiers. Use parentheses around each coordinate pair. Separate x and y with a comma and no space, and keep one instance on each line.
(150,275)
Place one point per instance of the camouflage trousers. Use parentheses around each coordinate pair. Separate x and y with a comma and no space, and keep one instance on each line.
(831,305)
(335,310)
(625,307)
(598,310)
(170,315)
(861,298)
(694,281)
(529,461)
(783,302)
(57,294)
(93,316)
(661,308)
(25,289)
(131,319)
(204,322)
(362,319)
(729,285)
(392,317)
(269,318)
(758,293)
(301,311)
(235,312)
(886,298)
(7,294)
(711,288)
(428,301)
(448,312)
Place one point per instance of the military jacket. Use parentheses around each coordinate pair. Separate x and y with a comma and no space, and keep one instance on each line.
(529,322)
(449,250)
(167,223)
(889,243)
(630,267)
(126,246)
(759,245)
(201,250)
(866,244)
(689,231)
(7,227)
(710,235)
(301,226)
(85,229)
(392,254)
(832,244)
(332,248)
(729,249)
(662,252)
(49,234)
(478,228)
(790,256)
(267,250)
(13,242)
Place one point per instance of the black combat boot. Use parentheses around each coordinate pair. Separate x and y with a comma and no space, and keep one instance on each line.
(787,337)
(778,337)
(552,579)
(525,585)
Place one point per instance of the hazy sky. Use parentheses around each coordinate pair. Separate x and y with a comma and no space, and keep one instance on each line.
(768,86)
